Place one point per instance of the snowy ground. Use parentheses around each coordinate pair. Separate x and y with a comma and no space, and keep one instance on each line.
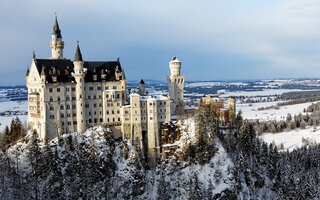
(265,92)
(293,139)
(12,106)
(250,110)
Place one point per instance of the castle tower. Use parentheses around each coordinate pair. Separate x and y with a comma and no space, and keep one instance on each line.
(56,43)
(80,95)
(136,131)
(142,88)
(153,132)
(175,87)
(232,107)
(123,87)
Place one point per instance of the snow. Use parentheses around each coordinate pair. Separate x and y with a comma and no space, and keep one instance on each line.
(292,139)
(250,110)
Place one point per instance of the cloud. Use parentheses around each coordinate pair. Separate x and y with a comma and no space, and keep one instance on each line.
(257,35)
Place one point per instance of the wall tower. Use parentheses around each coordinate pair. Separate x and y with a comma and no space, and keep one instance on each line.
(175,87)
(80,95)
(56,43)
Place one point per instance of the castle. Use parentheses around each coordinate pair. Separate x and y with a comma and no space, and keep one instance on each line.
(72,95)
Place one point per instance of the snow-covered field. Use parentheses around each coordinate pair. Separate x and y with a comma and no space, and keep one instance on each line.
(12,106)
(250,110)
(293,139)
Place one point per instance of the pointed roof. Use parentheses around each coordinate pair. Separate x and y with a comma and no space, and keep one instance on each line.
(28,71)
(123,76)
(78,56)
(56,29)
(42,72)
(142,82)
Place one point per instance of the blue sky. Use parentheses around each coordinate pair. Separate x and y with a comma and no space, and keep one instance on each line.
(214,39)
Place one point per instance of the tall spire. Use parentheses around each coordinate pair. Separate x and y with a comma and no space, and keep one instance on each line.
(56,29)
(78,56)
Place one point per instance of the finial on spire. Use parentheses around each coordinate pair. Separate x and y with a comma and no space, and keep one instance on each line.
(33,55)
(78,56)
(56,29)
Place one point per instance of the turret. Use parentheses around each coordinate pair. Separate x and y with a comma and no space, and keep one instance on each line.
(142,88)
(80,95)
(175,87)
(56,43)
(175,67)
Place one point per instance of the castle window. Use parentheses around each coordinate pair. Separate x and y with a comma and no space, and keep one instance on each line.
(113,119)
(67,89)
(51,116)
(114,87)
(107,96)
(118,111)
(94,97)
(90,88)
(150,118)
(62,115)
(100,104)
(106,87)
(150,104)
(59,99)
(68,107)
(89,97)
(107,112)
(160,103)
(87,105)
(51,108)
(90,120)
(74,114)
(118,119)
(95,105)
(164,103)
(58,89)
(51,98)
(68,115)
(73,89)
(99,88)
(112,111)
(74,122)
(108,104)
(62,123)
(68,98)
(100,97)
(95,113)
(89,113)
(100,112)
(69,123)
(118,96)
(126,112)
(73,98)
(61,107)
(73,106)
(50,90)
(108,120)
(100,119)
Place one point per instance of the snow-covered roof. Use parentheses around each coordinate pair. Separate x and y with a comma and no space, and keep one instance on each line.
(153,97)
(174,60)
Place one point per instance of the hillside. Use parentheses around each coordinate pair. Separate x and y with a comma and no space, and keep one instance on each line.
(94,165)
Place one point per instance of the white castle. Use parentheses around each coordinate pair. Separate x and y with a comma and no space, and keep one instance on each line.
(70,96)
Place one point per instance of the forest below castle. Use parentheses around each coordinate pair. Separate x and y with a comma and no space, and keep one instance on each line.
(213,164)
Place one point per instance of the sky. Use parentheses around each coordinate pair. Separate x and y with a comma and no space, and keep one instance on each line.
(214,39)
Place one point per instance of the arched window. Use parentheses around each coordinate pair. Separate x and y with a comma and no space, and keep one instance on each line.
(59,99)
(61,107)
(51,98)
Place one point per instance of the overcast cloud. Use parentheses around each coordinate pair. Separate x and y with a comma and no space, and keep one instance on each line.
(214,39)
